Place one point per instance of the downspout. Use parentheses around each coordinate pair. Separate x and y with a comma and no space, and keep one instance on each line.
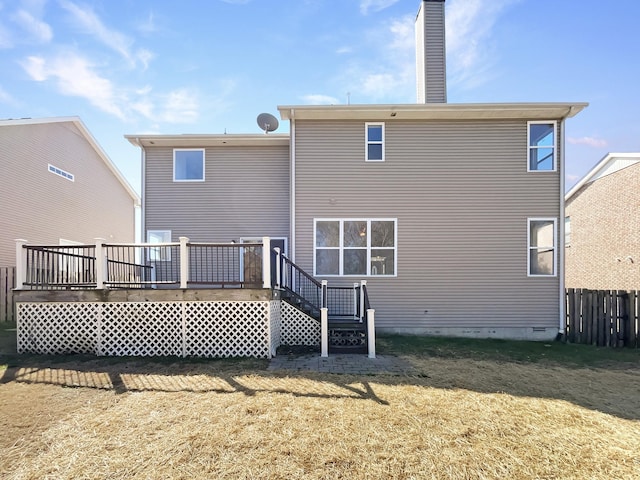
(561,240)
(292,184)
(143,228)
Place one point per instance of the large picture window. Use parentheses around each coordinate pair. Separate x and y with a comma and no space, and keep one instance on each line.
(355,247)
(542,146)
(374,142)
(188,165)
(542,247)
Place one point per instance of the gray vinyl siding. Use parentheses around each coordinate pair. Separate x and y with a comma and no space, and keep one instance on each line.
(42,207)
(462,196)
(245,194)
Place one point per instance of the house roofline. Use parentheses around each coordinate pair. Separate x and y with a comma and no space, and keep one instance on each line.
(88,137)
(209,140)
(597,169)
(434,111)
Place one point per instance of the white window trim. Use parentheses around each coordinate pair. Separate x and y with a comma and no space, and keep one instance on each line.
(204,163)
(165,233)
(341,248)
(61,173)
(555,145)
(567,231)
(367,142)
(554,246)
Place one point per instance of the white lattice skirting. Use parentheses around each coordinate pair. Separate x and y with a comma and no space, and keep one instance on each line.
(199,329)
(180,328)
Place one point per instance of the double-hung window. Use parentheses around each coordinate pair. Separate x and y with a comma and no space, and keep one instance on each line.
(542,247)
(374,133)
(188,165)
(360,247)
(541,146)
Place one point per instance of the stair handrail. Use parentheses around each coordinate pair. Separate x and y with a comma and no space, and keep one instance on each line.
(299,284)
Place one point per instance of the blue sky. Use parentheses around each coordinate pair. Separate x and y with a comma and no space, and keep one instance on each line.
(196,66)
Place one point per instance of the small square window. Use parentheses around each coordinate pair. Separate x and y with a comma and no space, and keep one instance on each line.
(541,146)
(188,165)
(374,142)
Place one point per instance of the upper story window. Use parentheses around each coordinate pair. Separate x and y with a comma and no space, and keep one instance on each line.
(361,247)
(567,231)
(188,165)
(542,247)
(62,173)
(542,146)
(374,142)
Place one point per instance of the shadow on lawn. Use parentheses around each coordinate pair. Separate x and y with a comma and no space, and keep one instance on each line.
(613,391)
(171,375)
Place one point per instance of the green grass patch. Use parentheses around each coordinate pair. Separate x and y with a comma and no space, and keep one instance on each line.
(507,350)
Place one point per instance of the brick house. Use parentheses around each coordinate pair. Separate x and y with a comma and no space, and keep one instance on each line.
(602,226)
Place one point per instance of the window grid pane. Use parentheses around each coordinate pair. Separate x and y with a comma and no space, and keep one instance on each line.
(542,240)
(542,147)
(355,247)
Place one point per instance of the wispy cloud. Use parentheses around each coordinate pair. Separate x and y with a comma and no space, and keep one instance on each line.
(6,98)
(39,30)
(5,37)
(74,76)
(588,141)
(319,99)
(571,177)
(367,6)
(148,25)
(179,106)
(392,74)
(86,18)
(469,27)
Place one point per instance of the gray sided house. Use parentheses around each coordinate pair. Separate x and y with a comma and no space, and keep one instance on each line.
(602,226)
(59,187)
(450,212)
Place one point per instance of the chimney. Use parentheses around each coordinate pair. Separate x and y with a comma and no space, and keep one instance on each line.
(431,71)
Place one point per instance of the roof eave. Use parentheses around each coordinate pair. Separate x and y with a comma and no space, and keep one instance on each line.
(204,140)
(440,111)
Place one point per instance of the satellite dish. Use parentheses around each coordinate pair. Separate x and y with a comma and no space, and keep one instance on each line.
(267,122)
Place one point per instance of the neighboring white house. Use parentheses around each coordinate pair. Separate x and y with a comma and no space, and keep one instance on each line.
(58,186)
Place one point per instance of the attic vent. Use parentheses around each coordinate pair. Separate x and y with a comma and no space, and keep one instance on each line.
(62,173)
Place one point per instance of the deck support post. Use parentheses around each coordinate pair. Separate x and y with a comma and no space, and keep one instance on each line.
(101,264)
(21,263)
(266,262)
(324,332)
(278,267)
(363,285)
(371,332)
(184,261)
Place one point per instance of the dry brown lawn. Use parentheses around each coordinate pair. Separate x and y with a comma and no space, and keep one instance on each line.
(462,419)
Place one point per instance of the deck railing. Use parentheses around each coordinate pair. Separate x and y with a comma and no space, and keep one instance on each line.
(143,265)
(53,267)
(305,290)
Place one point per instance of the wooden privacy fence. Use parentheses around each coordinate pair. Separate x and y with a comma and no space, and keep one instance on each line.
(7,284)
(606,318)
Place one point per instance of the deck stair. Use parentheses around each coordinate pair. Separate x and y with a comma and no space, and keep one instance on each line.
(347,327)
